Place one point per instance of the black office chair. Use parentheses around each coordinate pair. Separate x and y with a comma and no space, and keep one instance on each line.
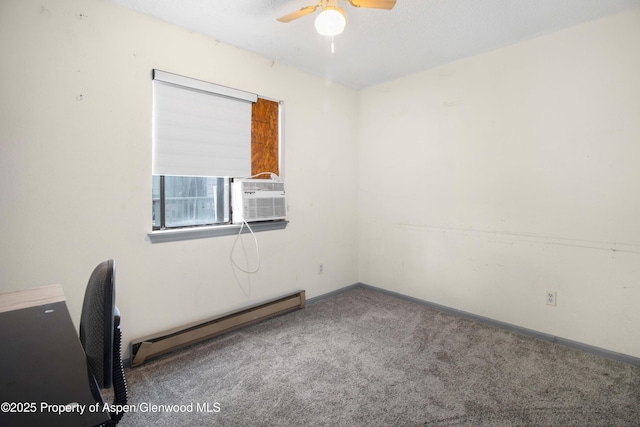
(101,336)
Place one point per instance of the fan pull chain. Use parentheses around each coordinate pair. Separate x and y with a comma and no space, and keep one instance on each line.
(333,49)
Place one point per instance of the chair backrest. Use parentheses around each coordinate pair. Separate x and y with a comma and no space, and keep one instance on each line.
(101,336)
(97,322)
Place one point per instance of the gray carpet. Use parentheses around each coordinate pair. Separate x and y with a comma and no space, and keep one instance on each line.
(365,358)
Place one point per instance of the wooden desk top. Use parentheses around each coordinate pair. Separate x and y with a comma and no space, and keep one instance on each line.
(30,297)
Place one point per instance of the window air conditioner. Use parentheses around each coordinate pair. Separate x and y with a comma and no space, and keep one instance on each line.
(257,200)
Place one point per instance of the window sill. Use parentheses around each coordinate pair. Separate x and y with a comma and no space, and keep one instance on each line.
(178,234)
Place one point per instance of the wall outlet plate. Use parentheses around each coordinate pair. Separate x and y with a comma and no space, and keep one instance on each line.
(551,298)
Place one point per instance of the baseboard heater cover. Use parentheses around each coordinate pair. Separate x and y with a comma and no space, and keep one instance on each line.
(145,348)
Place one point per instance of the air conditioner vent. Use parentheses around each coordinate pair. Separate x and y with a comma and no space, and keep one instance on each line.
(262,185)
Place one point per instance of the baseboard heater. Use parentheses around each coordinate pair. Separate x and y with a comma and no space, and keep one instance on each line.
(145,348)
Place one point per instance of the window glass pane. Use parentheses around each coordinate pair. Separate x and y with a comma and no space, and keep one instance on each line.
(155,200)
(191,200)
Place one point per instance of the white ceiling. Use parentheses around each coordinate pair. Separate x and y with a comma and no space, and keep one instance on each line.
(377,45)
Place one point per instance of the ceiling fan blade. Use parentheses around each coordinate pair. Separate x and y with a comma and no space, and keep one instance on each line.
(374,4)
(298,13)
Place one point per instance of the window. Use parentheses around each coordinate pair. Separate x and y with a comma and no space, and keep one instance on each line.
(203,134)
(184,201)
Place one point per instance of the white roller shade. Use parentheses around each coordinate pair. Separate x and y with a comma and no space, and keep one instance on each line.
(200,129)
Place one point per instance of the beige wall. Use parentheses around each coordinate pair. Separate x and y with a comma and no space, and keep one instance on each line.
(75,166)
(486,182)
(482,183)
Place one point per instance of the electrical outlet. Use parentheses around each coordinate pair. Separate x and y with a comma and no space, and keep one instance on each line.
(320,268)
(551,298)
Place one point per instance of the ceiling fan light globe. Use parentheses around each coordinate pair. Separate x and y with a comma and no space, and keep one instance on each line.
(330,22)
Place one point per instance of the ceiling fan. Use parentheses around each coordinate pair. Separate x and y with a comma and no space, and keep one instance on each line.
(332,20)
